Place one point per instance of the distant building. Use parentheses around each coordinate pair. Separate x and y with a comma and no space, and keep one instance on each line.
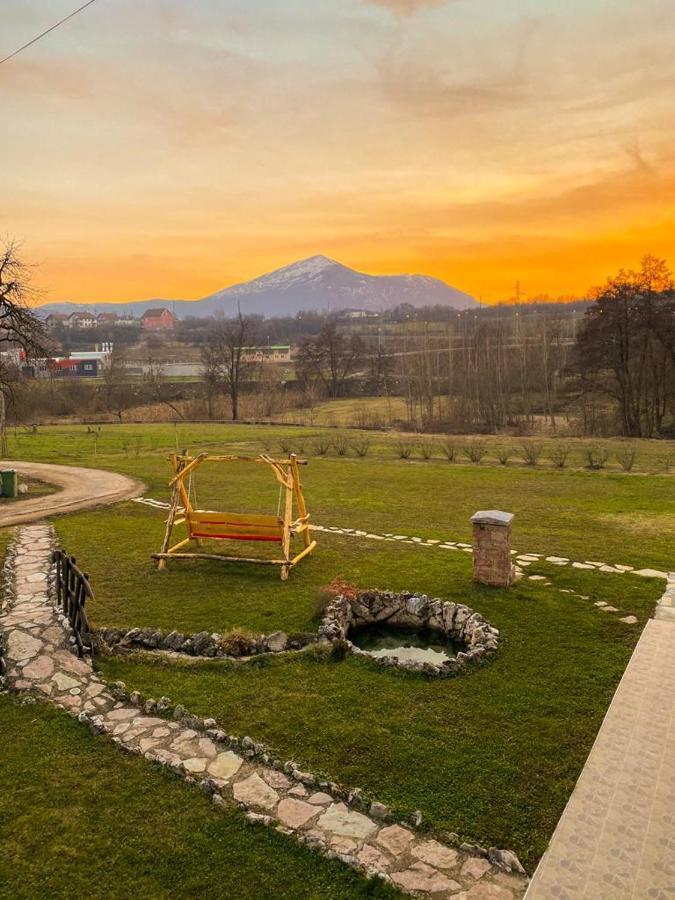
(74,366)
(55,319)
(80,320)
(106,318)
(161,319)
(277,353)
(359,314)
(125,320)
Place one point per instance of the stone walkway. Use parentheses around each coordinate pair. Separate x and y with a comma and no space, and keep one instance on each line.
(616,837)
(316,813)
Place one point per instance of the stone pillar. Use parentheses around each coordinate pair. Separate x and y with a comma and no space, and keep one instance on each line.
(492,548)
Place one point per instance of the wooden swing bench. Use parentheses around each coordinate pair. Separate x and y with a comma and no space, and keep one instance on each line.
(226,526)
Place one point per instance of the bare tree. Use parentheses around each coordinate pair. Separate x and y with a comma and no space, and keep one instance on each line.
(20,328)
(626,346)
(211,371)
(329,358)
(118,393)
(224,359)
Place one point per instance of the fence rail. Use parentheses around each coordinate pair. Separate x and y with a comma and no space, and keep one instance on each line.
(72,592)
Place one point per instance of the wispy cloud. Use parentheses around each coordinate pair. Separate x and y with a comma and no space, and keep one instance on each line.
(405,7)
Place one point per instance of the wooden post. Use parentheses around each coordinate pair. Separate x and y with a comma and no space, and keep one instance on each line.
(288,516)
(175,493)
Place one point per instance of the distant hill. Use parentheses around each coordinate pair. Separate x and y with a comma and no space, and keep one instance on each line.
(316,283)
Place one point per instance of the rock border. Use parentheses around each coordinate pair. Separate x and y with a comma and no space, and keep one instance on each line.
(454,621)
(203,644)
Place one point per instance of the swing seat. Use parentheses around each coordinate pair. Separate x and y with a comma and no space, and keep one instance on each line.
(201,524)
(226,526)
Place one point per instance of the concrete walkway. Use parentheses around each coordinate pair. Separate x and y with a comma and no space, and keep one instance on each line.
(616,837)
(77,488)
(295,803)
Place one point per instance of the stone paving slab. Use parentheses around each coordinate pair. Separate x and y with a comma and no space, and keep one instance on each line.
(38,660)
(616,837)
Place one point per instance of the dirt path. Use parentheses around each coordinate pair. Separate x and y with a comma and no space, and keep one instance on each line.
(77,488)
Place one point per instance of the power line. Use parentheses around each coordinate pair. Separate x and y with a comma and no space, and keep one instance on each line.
(40,36)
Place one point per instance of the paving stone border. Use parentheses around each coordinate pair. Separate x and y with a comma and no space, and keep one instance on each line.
(405,610)
(316,812)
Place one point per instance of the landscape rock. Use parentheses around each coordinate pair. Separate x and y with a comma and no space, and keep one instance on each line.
(253,791)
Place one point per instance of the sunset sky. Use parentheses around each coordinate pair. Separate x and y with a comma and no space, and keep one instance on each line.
(167,148)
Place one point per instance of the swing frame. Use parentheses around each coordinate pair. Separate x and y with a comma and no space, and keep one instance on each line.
(204,525)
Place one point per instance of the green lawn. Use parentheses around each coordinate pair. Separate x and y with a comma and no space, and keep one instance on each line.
(493,754)
(78,818)
(607,515)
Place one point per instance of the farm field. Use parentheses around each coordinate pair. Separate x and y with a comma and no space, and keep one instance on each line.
(492,755)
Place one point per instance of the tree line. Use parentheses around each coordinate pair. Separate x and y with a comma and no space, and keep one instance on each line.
(608,365)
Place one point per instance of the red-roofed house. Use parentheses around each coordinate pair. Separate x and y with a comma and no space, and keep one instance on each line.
(161,319)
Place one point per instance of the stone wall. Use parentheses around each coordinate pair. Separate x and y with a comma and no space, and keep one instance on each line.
(231,645)
(453,620)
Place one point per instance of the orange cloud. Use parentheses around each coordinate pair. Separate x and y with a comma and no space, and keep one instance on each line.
(173,157)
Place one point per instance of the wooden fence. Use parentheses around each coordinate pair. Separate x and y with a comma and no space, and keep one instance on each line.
(72,592)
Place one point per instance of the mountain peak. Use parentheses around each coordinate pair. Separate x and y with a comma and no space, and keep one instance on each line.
(315,283)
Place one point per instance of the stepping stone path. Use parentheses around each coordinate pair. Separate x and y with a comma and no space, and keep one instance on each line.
(38,660)
(523,559)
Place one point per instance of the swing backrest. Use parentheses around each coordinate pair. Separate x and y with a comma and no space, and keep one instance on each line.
(227,526)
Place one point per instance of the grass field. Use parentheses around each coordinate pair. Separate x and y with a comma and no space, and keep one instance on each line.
(492,755)
(608,515)
(78,818)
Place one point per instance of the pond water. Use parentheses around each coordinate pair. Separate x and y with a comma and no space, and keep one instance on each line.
(405,643)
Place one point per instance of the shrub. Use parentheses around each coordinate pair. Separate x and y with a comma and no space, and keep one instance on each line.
(504,454)
(337,588)
(236,643)
(426,449)
(626,457)
(531,453)
(295,445)
(559,455)
(475,451)
(596,457)
(266,444)
(320,446)
(361,446)
(405,449)
(449,450)
(341,445)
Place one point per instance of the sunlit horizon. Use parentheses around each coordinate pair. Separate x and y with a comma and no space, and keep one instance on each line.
(173,150)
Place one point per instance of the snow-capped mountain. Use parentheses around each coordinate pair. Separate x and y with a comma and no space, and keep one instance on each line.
(317,283)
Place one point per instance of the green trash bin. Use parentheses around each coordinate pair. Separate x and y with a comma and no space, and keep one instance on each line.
(10,483)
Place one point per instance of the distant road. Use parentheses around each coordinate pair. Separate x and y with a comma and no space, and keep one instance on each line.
(77,488)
